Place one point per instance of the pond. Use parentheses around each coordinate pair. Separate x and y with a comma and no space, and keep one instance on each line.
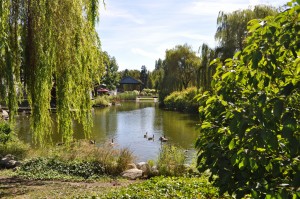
(128,123)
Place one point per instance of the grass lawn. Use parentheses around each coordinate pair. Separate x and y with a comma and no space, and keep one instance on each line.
(11,186)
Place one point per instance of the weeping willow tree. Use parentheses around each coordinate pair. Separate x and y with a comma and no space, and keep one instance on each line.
(46,44)
(232,28)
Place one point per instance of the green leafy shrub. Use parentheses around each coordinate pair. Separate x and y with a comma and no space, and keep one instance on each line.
(10,144)
(249,137)
(14,147)
(49,168)
(184,101)
(166,187)
(5,132)
(148,92)
(103,100)
(171,161)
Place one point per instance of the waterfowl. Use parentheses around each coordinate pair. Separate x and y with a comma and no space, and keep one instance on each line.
(151,138)
(145,136)
(60,143)
(163,139)
(112,142)
(92,141)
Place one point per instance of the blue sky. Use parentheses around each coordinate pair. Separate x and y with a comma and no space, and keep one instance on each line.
(138,32)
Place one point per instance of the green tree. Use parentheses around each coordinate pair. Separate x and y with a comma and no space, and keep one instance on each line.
(180,68)
(132,73)
(144,76)
(156,76)
(232,28)
(250,127)
(205,71)
(43,41)
(111,76)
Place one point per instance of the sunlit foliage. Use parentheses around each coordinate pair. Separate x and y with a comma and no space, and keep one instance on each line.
(251,119)
(46,44)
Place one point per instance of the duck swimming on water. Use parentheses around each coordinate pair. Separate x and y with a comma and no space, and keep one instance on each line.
(151,138)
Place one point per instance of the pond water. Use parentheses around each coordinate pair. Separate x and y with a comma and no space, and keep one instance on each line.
(127,125)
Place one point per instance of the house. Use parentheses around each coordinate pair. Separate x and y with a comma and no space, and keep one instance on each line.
(129,84)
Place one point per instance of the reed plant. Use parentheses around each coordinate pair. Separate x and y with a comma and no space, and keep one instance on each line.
(171,161)
(127,95)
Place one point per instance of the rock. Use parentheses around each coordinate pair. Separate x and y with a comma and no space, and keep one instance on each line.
(132,174)
(144,167)
(9,162)
(187,168)
(154,171)
(5,115)
(131,166)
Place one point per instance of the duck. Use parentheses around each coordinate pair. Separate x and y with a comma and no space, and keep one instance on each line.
(60,143)
(163,139)
(112,142)
(151,138)
(145,136)
(92,141)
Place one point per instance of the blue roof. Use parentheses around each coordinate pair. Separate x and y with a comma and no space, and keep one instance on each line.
(130,80)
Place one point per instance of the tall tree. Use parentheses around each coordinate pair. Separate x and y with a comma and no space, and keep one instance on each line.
(144,76)
(156,76)
(111,76)
(132,73)
(43,41)
(232,28)
(180,68)
(205,71)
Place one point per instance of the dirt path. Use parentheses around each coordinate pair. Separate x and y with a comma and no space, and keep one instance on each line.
(12,187)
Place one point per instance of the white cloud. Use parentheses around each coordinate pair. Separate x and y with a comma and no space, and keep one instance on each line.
(137,32)
(144,53)
(113,12)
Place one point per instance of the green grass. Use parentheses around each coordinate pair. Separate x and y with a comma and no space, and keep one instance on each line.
(127,95)
(106,187)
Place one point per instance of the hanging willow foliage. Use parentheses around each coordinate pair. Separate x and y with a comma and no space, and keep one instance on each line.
(48,44)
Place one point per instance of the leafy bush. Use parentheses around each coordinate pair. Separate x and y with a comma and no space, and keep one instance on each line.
(9,143)
(166,187)
(103,100)
(171,161)
(184,101)
(148,92)
(14,147)
(51,168)
(5,132)
(249,137)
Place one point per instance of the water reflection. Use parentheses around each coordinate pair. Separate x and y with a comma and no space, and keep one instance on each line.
(127,125)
